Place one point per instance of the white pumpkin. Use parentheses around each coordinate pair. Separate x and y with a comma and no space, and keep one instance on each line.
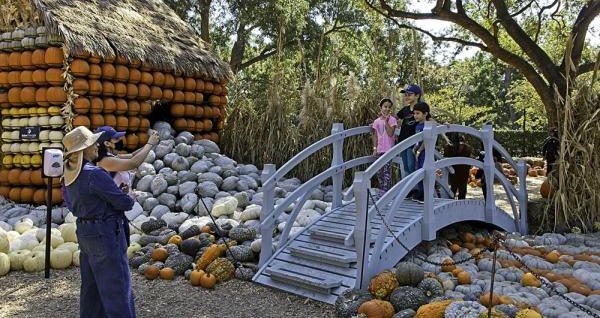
(4,264)
(61,258)
(69,246)
(40,248)
(17,258)
(40,233)
(12,235)
(55,240)
(4,243)
(76,258)
(70,218)
(67,231)
(134,247)
(23,225)
(27,242)
(34,262)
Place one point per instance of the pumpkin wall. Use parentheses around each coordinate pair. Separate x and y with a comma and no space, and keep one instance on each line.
(43,86)
(31,95)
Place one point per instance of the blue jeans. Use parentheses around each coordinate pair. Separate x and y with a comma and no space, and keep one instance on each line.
(105,279)
(408,161)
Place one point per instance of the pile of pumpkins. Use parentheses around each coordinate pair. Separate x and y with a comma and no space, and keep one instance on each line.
(31,95)
(200,255)
(417,289)
(27,186)
(24,248)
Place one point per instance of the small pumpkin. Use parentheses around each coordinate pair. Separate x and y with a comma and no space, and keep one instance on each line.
(455,248)
(166,273)
(175,239)
(530,280)
(377,309)
(4,264)
(151,272)
(195,277)
(484,299)
(160,254)
(208,280)
(553,257)
(448,265)
(435,309)
(431,287)
(528,313)
(464,278)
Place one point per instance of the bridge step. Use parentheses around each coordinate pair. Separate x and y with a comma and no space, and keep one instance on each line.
(324,254)
(333,236)
(303,277)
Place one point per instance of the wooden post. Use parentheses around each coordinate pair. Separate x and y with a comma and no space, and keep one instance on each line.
(266,219)
(337,159)
(429,139)
(522,173)
(488,169)
(362,231)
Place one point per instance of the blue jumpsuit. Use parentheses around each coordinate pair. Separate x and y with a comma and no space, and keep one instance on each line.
(103,235)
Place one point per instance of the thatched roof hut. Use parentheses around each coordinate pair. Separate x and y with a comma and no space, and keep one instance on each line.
(139,30)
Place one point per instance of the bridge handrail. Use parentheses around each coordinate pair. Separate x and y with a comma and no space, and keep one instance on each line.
(308,151)
(307,187)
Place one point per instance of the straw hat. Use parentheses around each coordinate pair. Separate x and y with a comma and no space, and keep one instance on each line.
(75,142)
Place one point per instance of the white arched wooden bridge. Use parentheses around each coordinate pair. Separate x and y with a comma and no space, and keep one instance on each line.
(346,246)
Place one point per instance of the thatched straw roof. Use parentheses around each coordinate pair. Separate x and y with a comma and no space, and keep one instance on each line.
(147,30)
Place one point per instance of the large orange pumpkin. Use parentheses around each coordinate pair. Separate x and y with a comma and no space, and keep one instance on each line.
(190,111)
(144,125)
(143,91)
(122,123)
(199,85)
(26,194)
(546,189)
(81,120)
(81,86)
(95,71)
(147,78)
(54,57)
(132,141)
(132,91)
(142,138)
(190,84)
(169,81)
(177,110)
(36,177)
(121,73)
(96,105)
(109,105)
(180,124)
(189,97)
(39,196)
(108,88)
(179,83)
(110,120)
(26,78)
(134,124)
(56,95)
(15,194)
(133,108)
(167,95)
(14,60)
(95,87)
(134,75)
(38,58)
(14,78)
(80,67)
(28,95)
(54,76)
(108,71)
(158,79)
(120,89)
(178,96)
(97,120)
(39,77)
(121,106)
(4,191)
(156,93)
(145,108)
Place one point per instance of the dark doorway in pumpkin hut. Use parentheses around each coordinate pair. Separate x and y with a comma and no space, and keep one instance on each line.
(160,112)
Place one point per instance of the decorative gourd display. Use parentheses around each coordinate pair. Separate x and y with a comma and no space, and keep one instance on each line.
(61,258)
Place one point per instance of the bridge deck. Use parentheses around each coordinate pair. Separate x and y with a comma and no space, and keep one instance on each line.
(317,264)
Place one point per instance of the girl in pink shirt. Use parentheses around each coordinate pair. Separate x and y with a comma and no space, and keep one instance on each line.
(383,140)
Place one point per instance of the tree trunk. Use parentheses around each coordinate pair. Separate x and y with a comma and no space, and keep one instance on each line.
(238,49)
(204,20)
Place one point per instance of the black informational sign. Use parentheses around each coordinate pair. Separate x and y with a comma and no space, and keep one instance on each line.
(29,133)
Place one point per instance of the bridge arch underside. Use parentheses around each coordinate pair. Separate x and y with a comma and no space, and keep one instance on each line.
(453,212)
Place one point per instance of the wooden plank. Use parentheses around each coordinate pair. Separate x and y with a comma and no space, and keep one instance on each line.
(346,271)
(313,275)
(266,280)
(323,254)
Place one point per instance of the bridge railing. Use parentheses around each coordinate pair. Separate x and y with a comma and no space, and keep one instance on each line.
(270,212)
(361,234)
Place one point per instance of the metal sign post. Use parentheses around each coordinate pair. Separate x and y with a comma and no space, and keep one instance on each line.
(52,166)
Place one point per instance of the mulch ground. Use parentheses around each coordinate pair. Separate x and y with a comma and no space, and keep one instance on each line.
(30,295)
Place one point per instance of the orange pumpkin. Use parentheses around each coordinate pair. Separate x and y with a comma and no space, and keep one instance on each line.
(134,75)
(120,89)
(133,108)
(95,87)
(96,105)
(38,58)
(159,254)
(81,120)
(122,123)
(80,67)
(108,88)
(36,177)
(56,95)
(54,57)
(15,194)
(134,124)
(167,95)
(26,78)
(108,71)
(110,120)
(39,196)
(97,120)
(166,273)
(26,194)
(54,76)
(177,110)
(109,105)
(143,91)
(81,86)
(147,78)
(145,108)
(5,191)
(144,126)
(151,272)
(158,79)
(377,309)
(199,85)
(208,280)
(195,277)
(95,71)
(121,73)
(464,278)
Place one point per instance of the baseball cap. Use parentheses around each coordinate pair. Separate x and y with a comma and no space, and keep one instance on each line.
(108,133)
(412,88)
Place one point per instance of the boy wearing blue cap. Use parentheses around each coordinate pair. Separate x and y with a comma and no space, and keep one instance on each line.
(412,95)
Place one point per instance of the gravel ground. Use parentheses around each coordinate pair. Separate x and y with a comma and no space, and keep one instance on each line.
(30,295)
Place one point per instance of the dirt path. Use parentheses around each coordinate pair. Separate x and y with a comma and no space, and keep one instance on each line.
(29,295)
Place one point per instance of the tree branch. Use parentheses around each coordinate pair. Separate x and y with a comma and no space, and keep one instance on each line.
(538,56)
(405,14)
(580,27)
(586,68)
(493,46)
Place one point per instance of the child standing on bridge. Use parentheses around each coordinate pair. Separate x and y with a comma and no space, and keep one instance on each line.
(383,140)
(422,114)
